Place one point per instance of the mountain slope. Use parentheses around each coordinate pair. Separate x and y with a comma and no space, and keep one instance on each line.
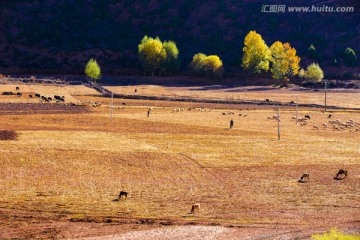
(60,36)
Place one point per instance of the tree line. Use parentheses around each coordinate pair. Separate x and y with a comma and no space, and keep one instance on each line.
(280,59)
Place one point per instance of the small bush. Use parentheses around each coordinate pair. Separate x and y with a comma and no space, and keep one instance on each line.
(8,135)
(334,234)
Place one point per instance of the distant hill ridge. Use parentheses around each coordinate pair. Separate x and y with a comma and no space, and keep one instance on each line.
(60,36)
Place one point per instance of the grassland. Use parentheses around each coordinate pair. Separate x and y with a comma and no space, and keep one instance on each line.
(335,97)
(69,167)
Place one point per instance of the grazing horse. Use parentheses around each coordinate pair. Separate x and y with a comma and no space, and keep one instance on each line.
(123,195)
(304,178)
(343,172)
(194,207)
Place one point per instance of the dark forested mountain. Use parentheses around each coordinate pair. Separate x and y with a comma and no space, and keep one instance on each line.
(61,36)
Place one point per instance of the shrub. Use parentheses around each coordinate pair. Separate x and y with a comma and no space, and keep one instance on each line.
(8,135)
(334,234)
(301,73)
(314,73)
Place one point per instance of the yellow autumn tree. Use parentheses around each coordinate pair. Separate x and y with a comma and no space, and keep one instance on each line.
(293,60)
(207,65)
(213,66)
(151,54)
(279,63)
(256,53)
(197,63)
(284,61)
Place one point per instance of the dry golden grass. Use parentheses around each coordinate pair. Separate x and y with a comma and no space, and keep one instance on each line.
(335,97)
(76,164)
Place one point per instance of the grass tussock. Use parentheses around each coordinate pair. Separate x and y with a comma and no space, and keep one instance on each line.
(8,135)
(335,234)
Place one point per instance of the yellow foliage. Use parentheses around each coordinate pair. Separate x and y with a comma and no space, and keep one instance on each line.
(151,53)
(209,65)
(284,60)
(334,234)
(293,60)
(314,73)
(212,63)
(279,61)
(256,53)
(92,69)
(197,61)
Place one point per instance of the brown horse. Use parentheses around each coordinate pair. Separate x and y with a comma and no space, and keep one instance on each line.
(123,195)
(194,207)
(341,172)
(304,178)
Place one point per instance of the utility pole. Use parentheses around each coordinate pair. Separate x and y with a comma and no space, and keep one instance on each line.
(297,100)
(326,83)
(112,106)
(278,118)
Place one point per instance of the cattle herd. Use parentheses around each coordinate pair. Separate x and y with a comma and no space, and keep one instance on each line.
(56,98)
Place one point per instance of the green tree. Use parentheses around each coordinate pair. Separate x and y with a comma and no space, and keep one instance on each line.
(151,54)
(256,53)
(350,57)
(92,70)
(171,62)
(314,73)
(313,53)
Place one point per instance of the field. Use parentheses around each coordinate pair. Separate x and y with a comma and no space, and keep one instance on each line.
(60,177)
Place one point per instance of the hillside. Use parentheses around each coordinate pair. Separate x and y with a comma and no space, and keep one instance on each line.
(60,36)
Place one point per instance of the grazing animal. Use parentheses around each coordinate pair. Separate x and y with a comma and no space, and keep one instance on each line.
(329,116)
(30,96)
(124,104)
(37,95)
(341,172)
(315,127)
(307,116)
(123,195)
(304,178)
(195,207)
(17,88)
(267,100)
